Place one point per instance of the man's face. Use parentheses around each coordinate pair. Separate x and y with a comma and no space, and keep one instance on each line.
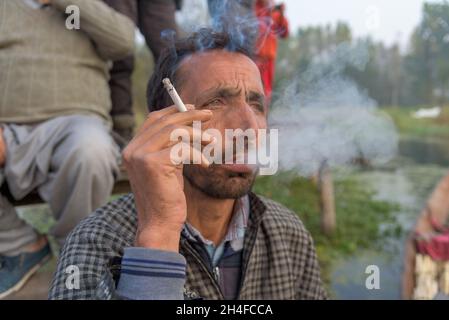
(229,84)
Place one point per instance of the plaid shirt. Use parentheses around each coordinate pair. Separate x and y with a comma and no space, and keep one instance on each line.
(234,235)
(225,260)
(279,259)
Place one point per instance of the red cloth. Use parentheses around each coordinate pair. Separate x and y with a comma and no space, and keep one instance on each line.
(266,67)
(272,24)
(437,247)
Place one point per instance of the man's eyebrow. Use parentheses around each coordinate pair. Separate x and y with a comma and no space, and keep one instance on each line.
(222,92)
(256,96)
(229,92)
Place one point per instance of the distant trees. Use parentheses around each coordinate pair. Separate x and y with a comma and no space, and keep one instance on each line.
(418,76)
(428,59)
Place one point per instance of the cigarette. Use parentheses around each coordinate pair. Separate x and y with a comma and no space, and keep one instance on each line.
(174,95)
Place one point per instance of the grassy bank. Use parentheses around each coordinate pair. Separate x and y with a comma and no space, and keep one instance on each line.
(419,128)
(359,216)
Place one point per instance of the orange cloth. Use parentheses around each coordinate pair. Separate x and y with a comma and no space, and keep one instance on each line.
(266,68)
(272,24)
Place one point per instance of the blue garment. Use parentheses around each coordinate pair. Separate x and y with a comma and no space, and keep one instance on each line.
(15,270)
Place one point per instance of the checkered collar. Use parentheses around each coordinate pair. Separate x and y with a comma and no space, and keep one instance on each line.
(236,228)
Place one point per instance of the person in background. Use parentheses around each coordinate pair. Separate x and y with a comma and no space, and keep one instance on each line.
(54,118)
(151,17)
(272,24)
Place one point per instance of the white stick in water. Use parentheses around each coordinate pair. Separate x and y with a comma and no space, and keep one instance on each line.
(174,95)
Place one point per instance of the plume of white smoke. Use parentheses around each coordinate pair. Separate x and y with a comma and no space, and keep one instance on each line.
(235,17)
(324,117)
(193,13)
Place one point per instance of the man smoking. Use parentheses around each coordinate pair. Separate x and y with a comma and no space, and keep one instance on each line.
(193,230)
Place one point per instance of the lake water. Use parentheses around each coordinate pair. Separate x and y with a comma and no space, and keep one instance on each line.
(408,181)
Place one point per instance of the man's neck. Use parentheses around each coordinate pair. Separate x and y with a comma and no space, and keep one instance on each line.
(210,216)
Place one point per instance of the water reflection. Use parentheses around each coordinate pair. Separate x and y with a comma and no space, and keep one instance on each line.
(408,181)
(425,151)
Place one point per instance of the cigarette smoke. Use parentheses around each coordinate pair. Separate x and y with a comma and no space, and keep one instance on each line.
(235,17)
(192,14)
(323,116)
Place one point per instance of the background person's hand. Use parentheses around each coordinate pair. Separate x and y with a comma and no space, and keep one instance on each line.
(156,182)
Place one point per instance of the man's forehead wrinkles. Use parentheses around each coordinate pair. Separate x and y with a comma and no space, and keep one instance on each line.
(221,78)
(230,90)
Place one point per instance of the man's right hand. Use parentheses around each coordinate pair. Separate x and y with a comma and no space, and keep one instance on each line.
(2,149)
(156,182)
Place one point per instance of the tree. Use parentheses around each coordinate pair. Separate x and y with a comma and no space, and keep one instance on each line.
(428,61)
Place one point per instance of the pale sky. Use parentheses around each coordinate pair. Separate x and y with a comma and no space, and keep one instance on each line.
(387,20)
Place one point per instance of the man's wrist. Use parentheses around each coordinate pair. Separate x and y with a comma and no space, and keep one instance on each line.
(160,239)
(141,276)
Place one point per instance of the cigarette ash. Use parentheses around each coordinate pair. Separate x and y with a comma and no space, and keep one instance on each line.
(324,117)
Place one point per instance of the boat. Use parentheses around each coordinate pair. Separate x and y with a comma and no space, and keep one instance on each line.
(426,256)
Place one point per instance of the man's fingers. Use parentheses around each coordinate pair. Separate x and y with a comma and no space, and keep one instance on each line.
(171,135)
(188,155)
(192,155)
(179,118)
(154,116)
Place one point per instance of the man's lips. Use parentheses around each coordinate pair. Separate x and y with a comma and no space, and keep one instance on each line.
(238,168)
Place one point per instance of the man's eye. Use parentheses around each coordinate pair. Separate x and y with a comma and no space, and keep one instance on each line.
(258,107)
(215,102)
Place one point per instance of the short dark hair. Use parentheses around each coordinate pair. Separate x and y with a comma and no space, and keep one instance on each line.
(204,40)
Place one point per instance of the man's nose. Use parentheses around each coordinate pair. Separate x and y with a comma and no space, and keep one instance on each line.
(244,118)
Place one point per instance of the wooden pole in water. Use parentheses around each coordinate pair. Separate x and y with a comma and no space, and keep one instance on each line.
(327,198)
